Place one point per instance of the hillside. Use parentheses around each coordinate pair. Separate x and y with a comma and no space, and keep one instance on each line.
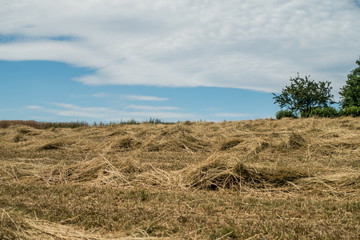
(260,179)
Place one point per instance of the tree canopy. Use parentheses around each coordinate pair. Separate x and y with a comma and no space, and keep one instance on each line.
(350,93)
(303,95)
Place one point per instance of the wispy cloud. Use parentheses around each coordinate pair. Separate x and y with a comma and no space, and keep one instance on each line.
(152,108)
(144,98)
(110,114)
(71,110)
(236,43)
(128,97)
(233,115)
(100,95)
(34,107)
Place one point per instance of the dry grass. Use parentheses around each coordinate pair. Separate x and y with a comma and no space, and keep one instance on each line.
(262,179)
(223,172)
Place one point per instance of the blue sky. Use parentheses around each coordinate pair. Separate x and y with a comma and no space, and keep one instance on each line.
(174,60)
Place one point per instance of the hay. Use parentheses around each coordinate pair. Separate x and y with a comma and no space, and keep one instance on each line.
(160,178)
(126,144)
(53,145)
(295,141)
(230,144)
(96,171)
(18,138)
(27,131)
(219,172)
(177,139)
(340,181)
(12,226)
(20,171)
(213,173)
(15,226)
(261,168)
(259,146)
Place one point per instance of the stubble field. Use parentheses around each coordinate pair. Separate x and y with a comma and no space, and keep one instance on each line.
(260,179)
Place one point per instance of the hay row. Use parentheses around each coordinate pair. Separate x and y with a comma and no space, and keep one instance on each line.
(15,226)
(217,172)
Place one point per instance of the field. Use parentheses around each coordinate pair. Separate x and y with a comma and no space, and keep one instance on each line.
(259,179)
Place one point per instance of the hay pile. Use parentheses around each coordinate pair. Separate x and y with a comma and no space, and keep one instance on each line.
(225,172)
(53,145)
(98,171)
(126,144)
(176,139)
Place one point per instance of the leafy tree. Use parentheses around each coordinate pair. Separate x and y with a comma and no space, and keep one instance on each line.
(303,95)
(350,93)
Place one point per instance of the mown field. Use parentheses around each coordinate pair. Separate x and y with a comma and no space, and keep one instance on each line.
(260,179)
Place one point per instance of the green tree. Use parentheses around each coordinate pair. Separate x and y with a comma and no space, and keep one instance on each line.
(350,93)
(303,95)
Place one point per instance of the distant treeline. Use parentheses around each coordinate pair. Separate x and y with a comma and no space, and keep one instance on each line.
(46,125)
(42,125)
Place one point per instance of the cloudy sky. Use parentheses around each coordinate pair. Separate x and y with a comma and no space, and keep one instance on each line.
(96,60)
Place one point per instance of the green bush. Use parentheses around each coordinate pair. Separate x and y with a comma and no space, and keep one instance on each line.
(350,111)
(285,113)
(329,112)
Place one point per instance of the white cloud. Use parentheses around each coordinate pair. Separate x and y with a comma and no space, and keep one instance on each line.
(100,95)
(250,44)
(152,108)
(34,107)
(71,110)
(139,113)
(144,98)
(128,97)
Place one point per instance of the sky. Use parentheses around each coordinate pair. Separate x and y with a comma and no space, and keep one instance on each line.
(176,60)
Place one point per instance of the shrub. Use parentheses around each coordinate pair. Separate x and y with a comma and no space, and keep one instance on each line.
(285,113)
(329,112)
(350,111)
